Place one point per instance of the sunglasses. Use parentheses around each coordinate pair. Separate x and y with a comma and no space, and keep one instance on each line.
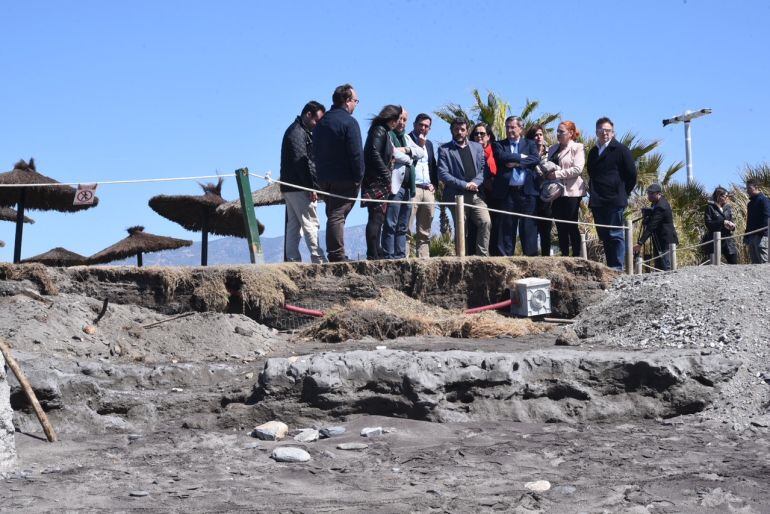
(477,134)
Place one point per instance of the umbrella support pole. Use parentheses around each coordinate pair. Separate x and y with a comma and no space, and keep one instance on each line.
(39,412)
(205,239)
(19,226)
(139,259)
(249,218)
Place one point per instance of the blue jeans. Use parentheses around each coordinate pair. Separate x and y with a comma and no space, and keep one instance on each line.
(396,224)
(517,201)
(613,239)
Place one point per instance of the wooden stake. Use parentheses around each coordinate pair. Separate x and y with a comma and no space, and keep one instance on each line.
(47,428)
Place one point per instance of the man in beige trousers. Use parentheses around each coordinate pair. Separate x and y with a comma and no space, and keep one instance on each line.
(426,182)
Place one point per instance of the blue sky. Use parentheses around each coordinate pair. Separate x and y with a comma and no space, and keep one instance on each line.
(118,90)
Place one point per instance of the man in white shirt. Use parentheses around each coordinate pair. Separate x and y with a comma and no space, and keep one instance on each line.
(426,182)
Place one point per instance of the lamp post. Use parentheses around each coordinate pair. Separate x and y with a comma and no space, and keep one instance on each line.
(686,118)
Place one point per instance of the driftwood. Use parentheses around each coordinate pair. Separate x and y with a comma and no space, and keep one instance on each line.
(102,312)
(168,319)
(47,428)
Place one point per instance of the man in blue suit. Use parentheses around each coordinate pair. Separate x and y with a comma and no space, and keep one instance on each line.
(515,189)
(461,167)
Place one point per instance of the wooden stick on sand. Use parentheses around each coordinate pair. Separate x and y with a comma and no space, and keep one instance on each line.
(47,428)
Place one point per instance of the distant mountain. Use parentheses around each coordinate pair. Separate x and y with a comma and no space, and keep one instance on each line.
(233,250)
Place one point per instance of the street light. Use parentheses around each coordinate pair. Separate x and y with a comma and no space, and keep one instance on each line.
(686,118)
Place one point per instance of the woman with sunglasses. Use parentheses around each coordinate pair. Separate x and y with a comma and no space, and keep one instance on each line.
(482,134)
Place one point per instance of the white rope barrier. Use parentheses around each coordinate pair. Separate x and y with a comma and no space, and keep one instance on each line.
(271,180)
(110,182)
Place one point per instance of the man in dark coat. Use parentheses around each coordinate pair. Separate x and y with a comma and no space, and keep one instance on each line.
(515,189)
(658,224)
(298,167)
(757,216)
(612,177)
(339,161)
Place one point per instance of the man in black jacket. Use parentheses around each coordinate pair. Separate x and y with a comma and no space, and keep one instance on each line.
(298,167)
(658,224)
(612,177)
(426,183)
(757,216)
(339,161)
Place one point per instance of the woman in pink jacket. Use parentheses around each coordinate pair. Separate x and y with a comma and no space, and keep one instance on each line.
(569,159)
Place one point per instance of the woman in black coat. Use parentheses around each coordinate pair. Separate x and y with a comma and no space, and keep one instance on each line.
(719,218)
(378,167)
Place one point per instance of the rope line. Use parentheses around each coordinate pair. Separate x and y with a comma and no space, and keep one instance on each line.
(271,180)
(132,181)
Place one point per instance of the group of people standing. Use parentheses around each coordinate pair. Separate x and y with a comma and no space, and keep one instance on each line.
(518,175)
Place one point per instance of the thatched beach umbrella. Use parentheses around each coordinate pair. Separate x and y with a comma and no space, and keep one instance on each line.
(137,243)
(199,214)
(8,214)
(58,257)
(42,198)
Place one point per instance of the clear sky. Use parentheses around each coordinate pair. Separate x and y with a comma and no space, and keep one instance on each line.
(116,90)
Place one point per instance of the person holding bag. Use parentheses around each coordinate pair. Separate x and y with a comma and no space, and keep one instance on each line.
(565,163)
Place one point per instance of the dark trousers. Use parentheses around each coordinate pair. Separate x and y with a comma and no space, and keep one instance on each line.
(662,260)
(495,227)
(516,201)
(567,208)
(374,231)
(337,211)
(544,209)
(613,239)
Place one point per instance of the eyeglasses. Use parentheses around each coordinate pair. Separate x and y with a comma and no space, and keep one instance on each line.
(477,134)
(353,100)
(558,132)
(606,131)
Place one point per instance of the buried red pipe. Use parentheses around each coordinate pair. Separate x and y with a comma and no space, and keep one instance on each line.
(302,310)
(492,307)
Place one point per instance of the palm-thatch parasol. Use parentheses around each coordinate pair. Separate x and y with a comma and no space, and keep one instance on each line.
(8,214)
(137,243)
(268,195)
(58,257)
(43,198)
(199,214)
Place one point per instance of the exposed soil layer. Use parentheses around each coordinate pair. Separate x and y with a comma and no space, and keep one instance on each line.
(258,291)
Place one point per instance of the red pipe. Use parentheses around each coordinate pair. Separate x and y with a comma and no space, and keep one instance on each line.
(302,310)
(494,306)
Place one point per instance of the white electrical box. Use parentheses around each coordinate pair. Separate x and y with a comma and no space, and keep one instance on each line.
(531,297)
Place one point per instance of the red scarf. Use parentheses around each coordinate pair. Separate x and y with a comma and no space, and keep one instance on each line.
(490,159)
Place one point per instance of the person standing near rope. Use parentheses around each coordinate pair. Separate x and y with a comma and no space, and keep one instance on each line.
(462,167)
(298,167)
(612,177)
(339,161)
(426,183)
(757,215)
(719,218)
(658,223)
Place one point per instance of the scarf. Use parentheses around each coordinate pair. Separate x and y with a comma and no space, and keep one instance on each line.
(490,159)
(399,140)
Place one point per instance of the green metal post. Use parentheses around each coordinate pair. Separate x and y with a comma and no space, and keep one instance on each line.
(249,218)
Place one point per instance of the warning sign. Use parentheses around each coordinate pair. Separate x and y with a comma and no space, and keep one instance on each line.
(85,194)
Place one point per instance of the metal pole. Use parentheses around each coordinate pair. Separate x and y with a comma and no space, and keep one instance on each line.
(638,265)
(717,259)
(629,247)
(460,225)
(583,246)
(672,255)
(688,150)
